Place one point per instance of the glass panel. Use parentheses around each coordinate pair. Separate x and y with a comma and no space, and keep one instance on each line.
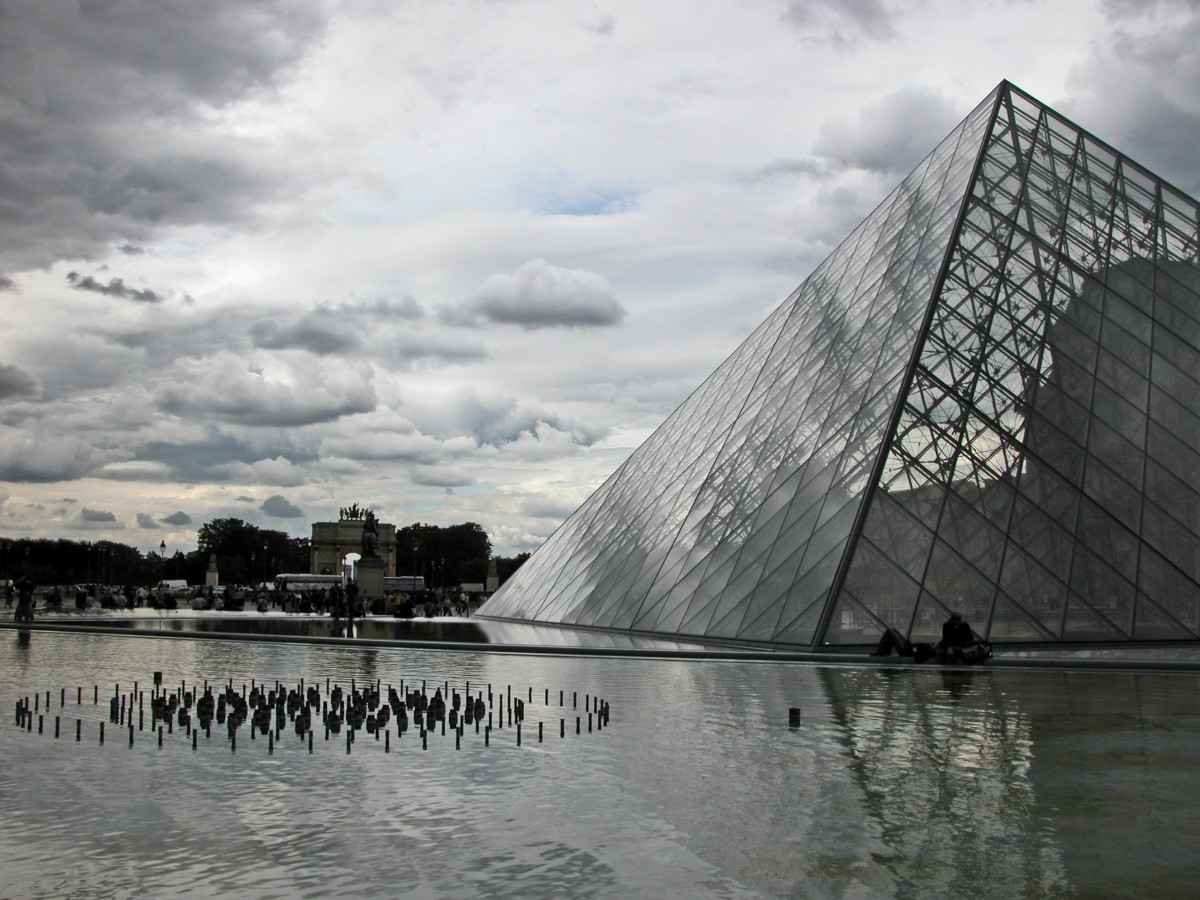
(1041,596)
(957,585)
(1106,592)
(1172,591)
(892,593)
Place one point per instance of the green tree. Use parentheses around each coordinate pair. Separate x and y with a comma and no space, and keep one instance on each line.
(246,553)
(444,556)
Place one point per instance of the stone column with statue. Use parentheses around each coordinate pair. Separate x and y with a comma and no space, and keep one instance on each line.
(370,567)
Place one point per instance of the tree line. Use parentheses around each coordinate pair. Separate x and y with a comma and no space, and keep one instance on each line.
(247,554)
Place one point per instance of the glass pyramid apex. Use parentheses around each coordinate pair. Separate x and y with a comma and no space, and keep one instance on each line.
(984,399)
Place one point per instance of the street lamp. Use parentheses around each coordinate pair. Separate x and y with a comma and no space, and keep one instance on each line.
(162,566)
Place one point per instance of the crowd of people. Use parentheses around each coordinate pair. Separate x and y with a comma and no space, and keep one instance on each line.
(90,596)
(337,601)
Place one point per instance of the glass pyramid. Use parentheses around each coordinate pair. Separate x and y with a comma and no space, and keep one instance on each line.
(986,399)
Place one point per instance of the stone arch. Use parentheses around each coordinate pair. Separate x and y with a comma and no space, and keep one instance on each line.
(332,541)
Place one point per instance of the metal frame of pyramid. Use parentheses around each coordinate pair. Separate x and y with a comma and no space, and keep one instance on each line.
(987,399)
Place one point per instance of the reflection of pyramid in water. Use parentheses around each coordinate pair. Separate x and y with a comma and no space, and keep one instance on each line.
(985,399)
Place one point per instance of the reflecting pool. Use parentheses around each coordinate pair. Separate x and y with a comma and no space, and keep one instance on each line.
(899,782)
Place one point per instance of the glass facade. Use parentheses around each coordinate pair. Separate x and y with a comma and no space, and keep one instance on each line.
(984,400)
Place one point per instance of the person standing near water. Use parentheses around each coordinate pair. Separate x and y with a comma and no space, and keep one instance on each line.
(24,611)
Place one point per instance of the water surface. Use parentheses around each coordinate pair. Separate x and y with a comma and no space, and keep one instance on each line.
(898,783)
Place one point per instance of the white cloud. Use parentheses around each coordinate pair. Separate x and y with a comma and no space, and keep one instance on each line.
(541,295)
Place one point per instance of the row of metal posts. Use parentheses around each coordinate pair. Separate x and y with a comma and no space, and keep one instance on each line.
(181,702)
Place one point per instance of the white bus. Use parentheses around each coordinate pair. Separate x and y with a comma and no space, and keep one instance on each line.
(406,583)
(301,581)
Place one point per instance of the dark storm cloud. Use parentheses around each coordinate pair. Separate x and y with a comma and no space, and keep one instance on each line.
(385,329)
(385,308)
(1121,8)
(115,287)
(15,383)
(25,457)
(177,518)
(145,520)
(7,284)
(603,25)
(440,476)
(279,508)
(541,295)
(891,135)
(318,332)
(778,169)
(97,515)
(842,20)
(246,398)
(105,117)
(205,459)
(1139,95)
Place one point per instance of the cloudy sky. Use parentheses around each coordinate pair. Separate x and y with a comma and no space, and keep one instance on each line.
(455,260)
